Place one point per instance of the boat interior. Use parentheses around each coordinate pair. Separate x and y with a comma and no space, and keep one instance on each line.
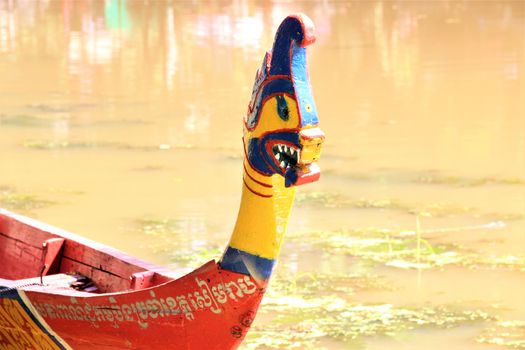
(35,256)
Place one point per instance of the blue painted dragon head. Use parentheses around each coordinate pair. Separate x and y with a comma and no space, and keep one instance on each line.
(281,133)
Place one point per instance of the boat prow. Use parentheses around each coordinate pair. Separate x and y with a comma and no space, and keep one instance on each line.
(94,296)
(61,291)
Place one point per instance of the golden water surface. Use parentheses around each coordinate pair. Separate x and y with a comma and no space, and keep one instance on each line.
(121,121)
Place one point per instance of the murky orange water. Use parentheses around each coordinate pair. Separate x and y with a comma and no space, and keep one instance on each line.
(118,111)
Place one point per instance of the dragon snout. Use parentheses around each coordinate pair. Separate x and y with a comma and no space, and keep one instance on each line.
(311,141)
(306,169)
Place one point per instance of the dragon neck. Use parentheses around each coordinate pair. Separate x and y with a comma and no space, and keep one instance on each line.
(261,224)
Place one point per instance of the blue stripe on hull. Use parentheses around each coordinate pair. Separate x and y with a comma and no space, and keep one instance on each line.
(248,264)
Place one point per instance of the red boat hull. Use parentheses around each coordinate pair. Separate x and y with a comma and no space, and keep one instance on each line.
(206,309)
(209,308)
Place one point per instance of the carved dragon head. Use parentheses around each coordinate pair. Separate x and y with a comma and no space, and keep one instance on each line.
(281,133)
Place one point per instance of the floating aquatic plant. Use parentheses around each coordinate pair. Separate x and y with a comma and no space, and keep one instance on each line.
(195,256)
(72,145)
(428,177)
(50,108)
(173,231)
(397,249)
(512,262)
(510,334)
(308,309)
(170,235)
(302,323)
(460,181)
(150,168)
(160,227)
(21,202)
(313,284)
(32,121)
(50,145)
(24,120)
(336,200)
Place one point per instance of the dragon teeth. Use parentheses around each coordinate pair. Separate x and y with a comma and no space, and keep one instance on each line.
(285,155)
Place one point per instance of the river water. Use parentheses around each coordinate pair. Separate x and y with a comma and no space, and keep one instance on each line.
(121,121)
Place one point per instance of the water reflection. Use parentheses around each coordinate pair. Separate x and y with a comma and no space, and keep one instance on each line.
(7,27)
(404,83)
(401,69)
(171,55)
(135,106)
(97,33)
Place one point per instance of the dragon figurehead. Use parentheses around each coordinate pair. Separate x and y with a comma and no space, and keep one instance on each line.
(282,143)
(281,134)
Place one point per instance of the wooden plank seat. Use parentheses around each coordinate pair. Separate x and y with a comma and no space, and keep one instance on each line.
(50,278)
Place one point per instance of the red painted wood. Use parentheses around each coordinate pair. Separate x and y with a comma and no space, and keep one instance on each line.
(18,259)
(141,280)
(208,308)
(111,267)
(52,254)
(105,282)
(138,305)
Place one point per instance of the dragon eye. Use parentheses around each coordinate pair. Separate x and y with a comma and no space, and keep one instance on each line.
(308,107)
(282,108)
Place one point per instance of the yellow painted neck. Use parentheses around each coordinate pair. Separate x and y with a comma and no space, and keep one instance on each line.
(263,215)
